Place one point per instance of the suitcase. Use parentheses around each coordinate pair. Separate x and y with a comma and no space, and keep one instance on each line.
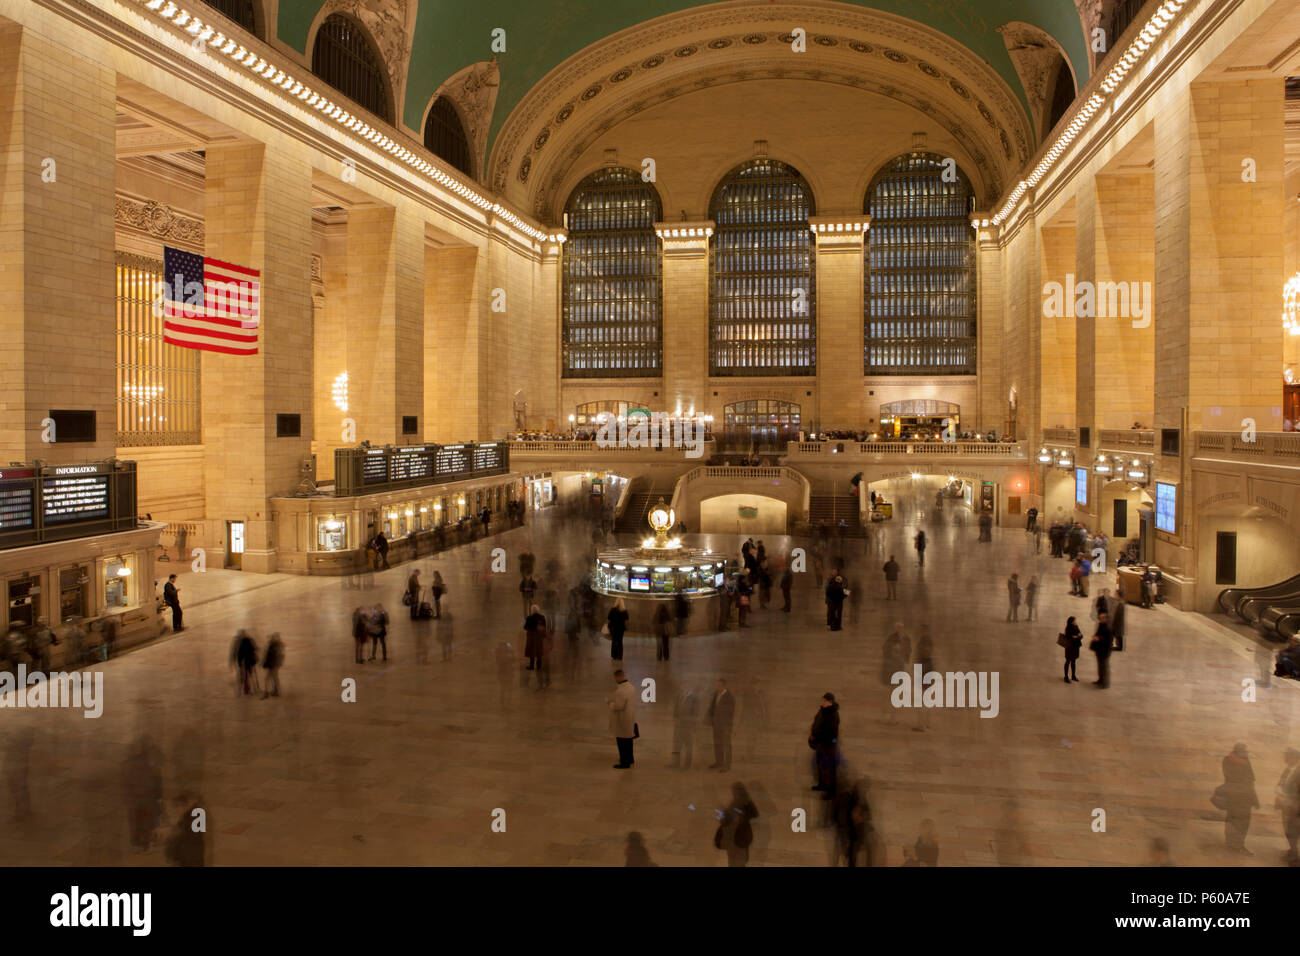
(426,610)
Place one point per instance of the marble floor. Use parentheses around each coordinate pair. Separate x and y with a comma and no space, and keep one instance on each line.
(413,770)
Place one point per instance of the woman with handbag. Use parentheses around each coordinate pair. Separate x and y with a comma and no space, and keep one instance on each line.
(1072,640)
(616,627)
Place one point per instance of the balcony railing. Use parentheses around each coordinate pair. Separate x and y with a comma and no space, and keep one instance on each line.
(1271,447)
(568,448)
(1013,451)
(1061,436)
(1142,439)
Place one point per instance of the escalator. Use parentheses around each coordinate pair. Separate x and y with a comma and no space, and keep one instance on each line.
(1274,609)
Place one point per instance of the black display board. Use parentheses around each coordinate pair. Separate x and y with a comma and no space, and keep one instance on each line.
(57,502)
(369,470)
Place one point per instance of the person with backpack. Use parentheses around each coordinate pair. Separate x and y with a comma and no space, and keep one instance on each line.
(735,833)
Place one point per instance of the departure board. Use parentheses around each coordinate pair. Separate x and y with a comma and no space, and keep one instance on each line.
(411,464)
(74,498)
(17,504)
(374,467)
(453,459)
(487,457)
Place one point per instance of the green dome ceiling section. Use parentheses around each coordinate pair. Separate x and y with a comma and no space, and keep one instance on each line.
(452,34)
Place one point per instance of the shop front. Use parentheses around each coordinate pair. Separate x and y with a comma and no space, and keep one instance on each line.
(330,535)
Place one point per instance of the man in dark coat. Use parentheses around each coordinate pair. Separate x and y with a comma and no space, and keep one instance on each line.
(722,715)
(891,579)
(834,601)
(1241,799)
(172,597)
(824,739)
(1102,645)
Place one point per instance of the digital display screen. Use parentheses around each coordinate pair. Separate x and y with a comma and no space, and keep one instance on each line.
(1081,486)
(374,468)
(639,582)
(453,460)
(74,499)
(717,579)
(410,464)
(487,457)
(1166,507)
(16,505)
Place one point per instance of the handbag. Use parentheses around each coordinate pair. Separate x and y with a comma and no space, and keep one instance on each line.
(1062,640)
(1220,797)
(604,629)
(407,599)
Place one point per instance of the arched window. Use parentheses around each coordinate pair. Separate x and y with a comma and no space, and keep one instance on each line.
(444,135)
(613,285)
(762,317)
(1062,95)
(919,311)
(243,12)
(592,413)
(345,59)
(760,422)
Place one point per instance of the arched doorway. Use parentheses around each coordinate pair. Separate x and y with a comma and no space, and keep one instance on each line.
(919,418)
(760,424)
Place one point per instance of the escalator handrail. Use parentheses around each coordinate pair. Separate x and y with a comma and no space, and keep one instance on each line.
(1230,598)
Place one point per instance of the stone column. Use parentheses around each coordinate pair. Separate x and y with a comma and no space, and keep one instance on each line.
(258,203)
(1058,337)
(453,341)
(991,389)
(57,292)
(840,349)
(686,316)
(385,322)
(1218,273)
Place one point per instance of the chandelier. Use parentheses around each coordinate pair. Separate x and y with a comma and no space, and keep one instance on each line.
(1291,305)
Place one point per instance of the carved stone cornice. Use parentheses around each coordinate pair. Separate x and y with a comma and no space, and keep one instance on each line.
(159,221)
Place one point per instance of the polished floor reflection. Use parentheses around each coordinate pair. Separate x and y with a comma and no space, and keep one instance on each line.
(412,771)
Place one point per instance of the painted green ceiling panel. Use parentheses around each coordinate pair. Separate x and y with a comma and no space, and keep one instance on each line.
(452,34)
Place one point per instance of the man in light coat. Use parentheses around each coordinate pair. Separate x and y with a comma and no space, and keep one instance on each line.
(622,718)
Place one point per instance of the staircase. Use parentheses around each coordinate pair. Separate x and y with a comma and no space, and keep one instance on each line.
(830,509)
(639,503)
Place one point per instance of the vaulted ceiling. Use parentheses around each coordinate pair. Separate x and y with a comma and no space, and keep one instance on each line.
(427,42)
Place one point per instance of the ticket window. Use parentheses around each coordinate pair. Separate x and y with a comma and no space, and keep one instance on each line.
(74,593)
(119,583)
(331,535)
(405,522)
(24,601)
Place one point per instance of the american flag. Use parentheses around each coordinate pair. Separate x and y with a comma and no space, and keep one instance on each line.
(209,304)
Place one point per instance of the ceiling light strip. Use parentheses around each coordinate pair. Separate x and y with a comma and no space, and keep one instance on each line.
(272,75)
(1151,32)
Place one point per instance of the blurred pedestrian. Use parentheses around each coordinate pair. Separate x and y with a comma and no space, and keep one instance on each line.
(622,719)
(271,663)
(377,627)
(735,833)
(721,716)
(1238,799)
(824,738)
(616,626)
(663,632)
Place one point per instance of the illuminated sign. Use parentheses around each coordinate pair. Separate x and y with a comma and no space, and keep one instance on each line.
(1081,486)
(1166,507)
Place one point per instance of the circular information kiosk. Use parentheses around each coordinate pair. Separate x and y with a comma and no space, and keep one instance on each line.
(661,568)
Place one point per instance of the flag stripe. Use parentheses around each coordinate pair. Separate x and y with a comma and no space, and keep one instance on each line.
(209,347)
(210,333)
(227,318)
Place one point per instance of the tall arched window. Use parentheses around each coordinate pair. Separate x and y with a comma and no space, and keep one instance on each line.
(920,270)
(444,135)
(762,316)
(345,59)
(243,12)
(613,286)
